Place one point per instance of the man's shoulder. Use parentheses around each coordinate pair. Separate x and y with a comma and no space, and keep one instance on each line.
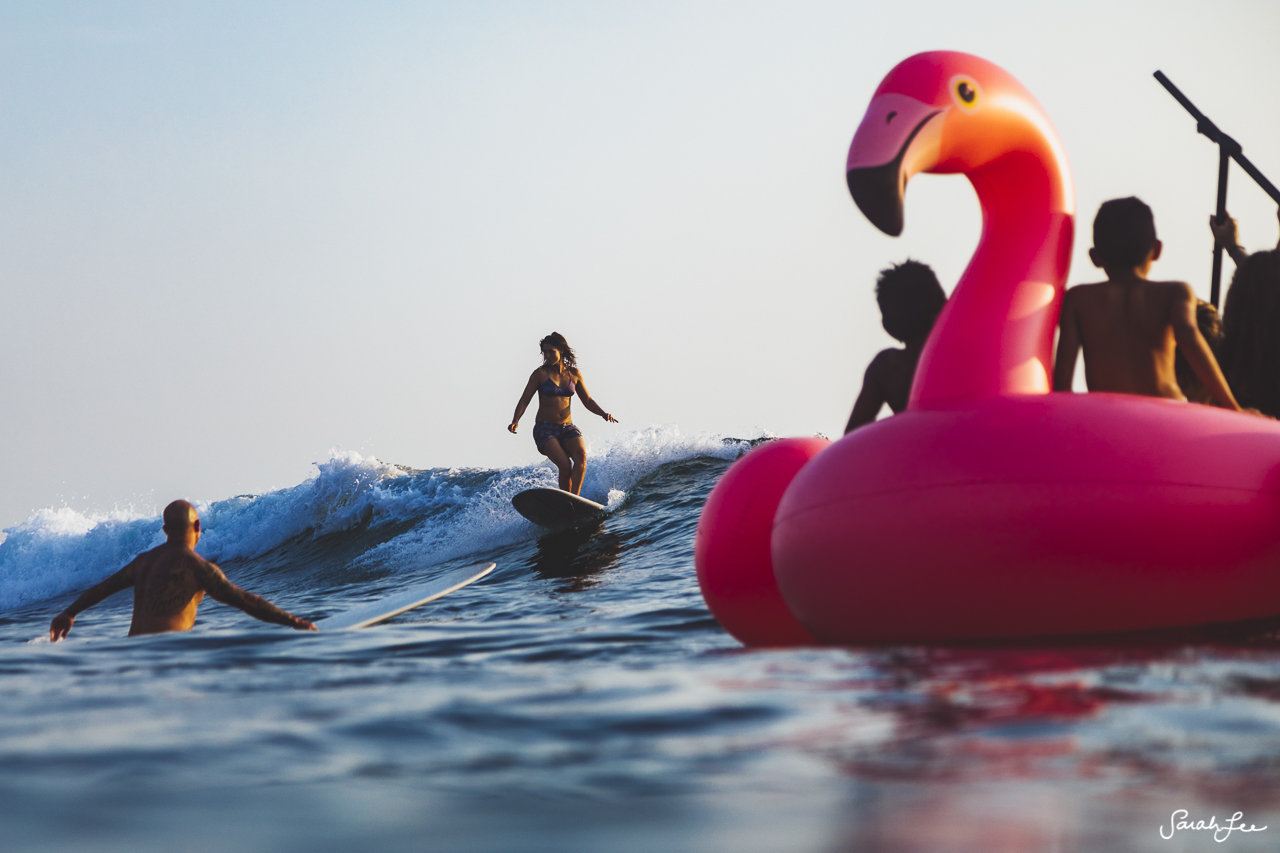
(206,574)
(180,556)
(196,561)
(153,556)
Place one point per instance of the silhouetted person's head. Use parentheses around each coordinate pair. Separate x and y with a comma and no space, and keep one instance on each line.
(1251,327)
(181,520)
(1124,235)
(910,298)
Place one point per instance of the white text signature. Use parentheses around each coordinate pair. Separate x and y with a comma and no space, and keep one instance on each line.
(1221,831)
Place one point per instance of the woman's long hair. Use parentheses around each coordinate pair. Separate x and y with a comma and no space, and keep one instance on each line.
(555,339)
(1251,327)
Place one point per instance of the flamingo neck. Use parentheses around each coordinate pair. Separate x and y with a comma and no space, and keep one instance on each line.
(995,334)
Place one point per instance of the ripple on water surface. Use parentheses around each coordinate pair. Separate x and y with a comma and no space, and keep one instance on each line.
(581,698)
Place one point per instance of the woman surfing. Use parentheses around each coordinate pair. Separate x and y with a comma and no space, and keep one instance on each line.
(555,383)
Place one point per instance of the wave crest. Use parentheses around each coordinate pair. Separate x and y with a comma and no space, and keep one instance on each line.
(448,513)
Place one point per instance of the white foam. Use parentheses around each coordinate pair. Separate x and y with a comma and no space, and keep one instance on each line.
(488,520)
(56,551)
(347,490)
(454,512)
(613,471)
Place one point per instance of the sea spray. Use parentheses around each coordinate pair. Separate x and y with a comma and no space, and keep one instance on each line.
(488,521)
(431,516)
(56,551)
(347,490)
(633,456)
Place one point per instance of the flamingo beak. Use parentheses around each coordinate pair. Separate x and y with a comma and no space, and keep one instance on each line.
(898,137)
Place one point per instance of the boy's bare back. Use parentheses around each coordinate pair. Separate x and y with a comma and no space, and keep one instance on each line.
(1129,331)
(1130,328)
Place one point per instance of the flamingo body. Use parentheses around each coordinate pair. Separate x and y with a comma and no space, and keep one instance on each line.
(992,509)
(1024,516)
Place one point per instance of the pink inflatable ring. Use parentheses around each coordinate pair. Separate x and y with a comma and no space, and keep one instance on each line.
(992,509)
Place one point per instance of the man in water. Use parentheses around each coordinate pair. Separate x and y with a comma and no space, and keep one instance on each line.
(170,581)
(1130,328)
(910,299)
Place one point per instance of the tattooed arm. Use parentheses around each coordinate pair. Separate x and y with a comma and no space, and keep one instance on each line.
(215,583)
(122,579)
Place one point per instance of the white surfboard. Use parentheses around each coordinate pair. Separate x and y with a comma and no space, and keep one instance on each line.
(393,605)
(553,507)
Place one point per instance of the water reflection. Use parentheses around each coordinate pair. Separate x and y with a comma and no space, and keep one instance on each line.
(577,555)
(1054,748)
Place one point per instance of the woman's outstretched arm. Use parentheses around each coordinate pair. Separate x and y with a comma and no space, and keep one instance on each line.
(529,391)
(591,405)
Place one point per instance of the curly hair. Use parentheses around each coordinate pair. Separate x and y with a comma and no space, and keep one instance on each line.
(1251,327)
(1124,231)
(1210,326)
(555,339)
(910,299)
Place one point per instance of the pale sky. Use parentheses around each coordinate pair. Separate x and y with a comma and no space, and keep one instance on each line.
(235,236)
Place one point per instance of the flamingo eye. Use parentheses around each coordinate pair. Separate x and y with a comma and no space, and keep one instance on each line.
(966,92)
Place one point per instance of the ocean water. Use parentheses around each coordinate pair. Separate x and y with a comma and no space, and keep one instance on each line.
(580,698)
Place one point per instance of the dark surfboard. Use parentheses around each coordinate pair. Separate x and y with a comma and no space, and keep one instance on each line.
(554,508)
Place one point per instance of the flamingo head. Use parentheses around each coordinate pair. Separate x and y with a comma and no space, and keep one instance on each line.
(945,111)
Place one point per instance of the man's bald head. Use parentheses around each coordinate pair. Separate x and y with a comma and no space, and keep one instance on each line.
(179,517)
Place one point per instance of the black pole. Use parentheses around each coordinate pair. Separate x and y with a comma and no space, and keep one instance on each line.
(1228,149)
(1209,129)
(1224,160)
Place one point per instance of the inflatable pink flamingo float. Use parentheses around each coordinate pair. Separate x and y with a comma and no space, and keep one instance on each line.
(992,509)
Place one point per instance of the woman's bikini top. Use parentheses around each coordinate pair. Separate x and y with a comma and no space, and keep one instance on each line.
(554,390)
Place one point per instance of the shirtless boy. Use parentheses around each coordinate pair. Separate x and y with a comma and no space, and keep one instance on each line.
(910,298)
(1130,328)
(170,581)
